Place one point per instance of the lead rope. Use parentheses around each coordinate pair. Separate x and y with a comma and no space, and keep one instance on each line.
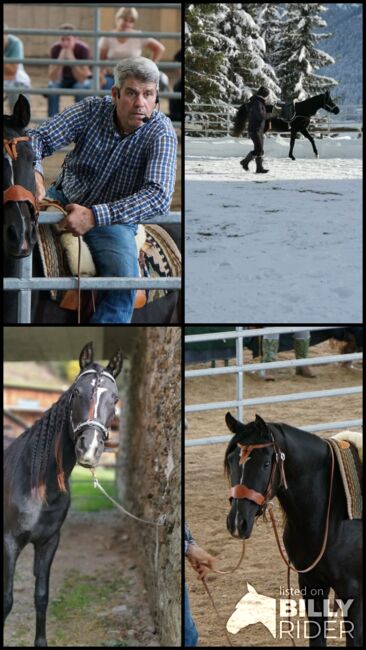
(161,521)
(222,573)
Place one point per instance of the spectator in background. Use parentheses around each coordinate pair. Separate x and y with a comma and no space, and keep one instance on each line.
(14,74)
(270,344)
(63,76)
(113,48)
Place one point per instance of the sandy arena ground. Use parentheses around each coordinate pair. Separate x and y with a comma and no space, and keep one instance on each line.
(206,492)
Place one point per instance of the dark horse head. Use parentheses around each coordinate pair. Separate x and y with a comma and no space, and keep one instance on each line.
(250,463)
(93,397)
(20,204)
(329,104)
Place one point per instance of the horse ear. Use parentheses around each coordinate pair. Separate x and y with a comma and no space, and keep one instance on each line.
(115,364)
(86,355)
(260,423)
(21,112)
(234,425)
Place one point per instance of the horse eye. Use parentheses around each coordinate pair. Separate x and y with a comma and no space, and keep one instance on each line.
(266,463)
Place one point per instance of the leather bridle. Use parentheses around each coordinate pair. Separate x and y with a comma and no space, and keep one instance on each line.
(91,422)
(18,192)
(241,491)
(325,106)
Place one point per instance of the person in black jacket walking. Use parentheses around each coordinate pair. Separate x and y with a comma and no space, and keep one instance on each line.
(257,118)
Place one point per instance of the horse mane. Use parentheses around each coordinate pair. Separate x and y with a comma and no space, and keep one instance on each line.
(43,437)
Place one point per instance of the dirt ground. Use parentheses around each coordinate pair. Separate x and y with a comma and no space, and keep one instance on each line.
(206,492)
(97,597)
(53,164)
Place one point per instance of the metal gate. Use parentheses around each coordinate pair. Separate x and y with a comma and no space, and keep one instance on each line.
(240,368)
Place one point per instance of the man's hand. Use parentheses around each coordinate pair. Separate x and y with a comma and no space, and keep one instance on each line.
(201,561)
(40,188)
(78,220)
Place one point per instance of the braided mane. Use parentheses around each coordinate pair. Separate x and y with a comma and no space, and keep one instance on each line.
(43,441)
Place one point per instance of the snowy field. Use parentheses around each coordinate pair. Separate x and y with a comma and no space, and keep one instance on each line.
(282,247)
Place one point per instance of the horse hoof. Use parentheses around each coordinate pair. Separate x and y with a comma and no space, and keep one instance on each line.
(316,155)
(292,157)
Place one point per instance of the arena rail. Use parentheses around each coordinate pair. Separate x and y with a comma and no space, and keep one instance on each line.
(24,284)
(240,368)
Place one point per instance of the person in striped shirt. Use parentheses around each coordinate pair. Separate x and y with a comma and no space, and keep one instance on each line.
(120,173)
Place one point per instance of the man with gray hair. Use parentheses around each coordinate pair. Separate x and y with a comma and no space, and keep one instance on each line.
(120,173)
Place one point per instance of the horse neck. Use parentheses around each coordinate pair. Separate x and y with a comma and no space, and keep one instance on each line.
(307,469)
(62,459)
(309,106)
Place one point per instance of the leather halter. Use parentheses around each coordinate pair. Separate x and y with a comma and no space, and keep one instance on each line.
(11,145)
(241,491)
(18,192)
(91,422)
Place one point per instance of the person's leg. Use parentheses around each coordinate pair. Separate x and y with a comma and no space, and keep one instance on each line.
(54,100)
(190,630)
(56,195)
(301,345)
(82,85)
(114,253)
(108,82)
(270,343)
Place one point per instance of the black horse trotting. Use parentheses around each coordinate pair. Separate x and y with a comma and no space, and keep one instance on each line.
(303,111)
(37,466)
(296,466)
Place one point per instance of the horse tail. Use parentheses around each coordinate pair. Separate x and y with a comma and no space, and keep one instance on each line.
(239,121)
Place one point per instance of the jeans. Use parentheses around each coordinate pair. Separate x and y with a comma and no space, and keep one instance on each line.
(190,631)
(114,252)
(54,100)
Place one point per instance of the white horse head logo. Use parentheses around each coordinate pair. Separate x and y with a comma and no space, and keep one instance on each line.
(253,608)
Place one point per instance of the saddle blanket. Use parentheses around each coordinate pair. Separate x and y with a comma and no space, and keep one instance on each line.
(347,447)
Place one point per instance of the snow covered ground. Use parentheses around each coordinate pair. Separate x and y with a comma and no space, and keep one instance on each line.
(282,247)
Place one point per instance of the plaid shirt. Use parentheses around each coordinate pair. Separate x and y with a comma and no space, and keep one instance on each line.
(123,179)
(188,539)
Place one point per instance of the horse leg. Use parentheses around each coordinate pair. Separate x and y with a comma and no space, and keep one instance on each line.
(43,556)
(292,144)
(11,554)
(352,618)
(314,597)
(307,135)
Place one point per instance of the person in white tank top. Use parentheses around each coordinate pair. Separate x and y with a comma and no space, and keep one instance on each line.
(113,48)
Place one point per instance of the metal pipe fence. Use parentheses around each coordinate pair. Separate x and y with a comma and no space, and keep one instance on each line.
(240,368)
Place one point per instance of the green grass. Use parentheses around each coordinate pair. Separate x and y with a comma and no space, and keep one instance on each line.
(85,497)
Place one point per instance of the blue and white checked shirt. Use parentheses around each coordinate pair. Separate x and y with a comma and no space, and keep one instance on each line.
(188,539)
(123,179)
